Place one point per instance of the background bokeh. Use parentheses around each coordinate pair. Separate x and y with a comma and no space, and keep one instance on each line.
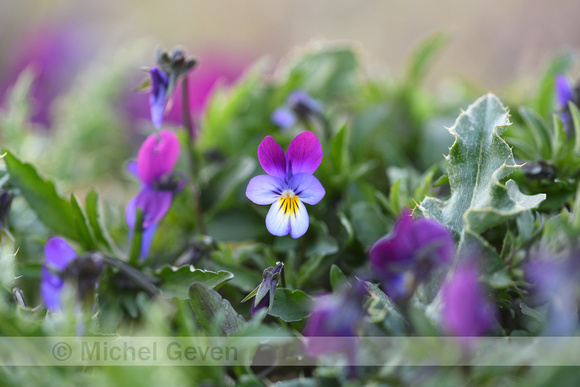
(492,42)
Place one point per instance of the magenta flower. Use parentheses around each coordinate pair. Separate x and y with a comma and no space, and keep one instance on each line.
(466,309)
(155,162)
(63,264)
(410,253)
(158,96)
(55,53)
(289,183)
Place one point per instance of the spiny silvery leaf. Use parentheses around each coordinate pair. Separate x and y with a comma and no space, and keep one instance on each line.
(477,162)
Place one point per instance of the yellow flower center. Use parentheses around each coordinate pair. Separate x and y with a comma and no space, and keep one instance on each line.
(289,202)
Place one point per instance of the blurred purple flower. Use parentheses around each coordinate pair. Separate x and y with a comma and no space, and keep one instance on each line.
(408,255)
(289,183)
(155,162)
(555,283)
(214,68)
(299,106)
(336,315)
(466,309)
(564,94)
(55,53)
(264,297)
(63,264)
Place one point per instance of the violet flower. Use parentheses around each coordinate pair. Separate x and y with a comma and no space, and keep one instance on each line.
(408,255)
(565,93)
(289,183)
(336,315)
(64,265)
(264,293)
(466,309)
(158,96)
(555,284)
(299,106)
(155,162)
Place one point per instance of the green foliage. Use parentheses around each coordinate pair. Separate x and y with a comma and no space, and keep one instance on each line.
(383,142)
(477,163)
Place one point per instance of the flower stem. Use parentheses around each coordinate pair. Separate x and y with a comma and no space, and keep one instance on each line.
(191,138)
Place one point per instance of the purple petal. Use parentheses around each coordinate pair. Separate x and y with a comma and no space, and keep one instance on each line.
(131,212)
(304,154)
(58,253)
(272,159)
(564,91)
(133,168)
(283,117)
(147,240)
(264,189)
(153,203)
(466,309)
(157,156)
(307,188)
(50,289)
(264,303)
(159,83)
(299,222)
(434,237)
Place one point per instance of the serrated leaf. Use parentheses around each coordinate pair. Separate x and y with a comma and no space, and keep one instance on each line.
(393,320)
(176,281)
(290,305)
(52,210)
(213,314)
(477,162)
(337,277)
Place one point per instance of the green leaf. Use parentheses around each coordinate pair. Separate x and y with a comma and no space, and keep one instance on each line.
(368,222)
(327,71)
(52,210)
(213,314)
(176,281)
(424,55)
(542,135)
(290,305)
(477,162)
(576,120)
(337,277)
(308,269)
(96,221)
(393,320)
(85,236)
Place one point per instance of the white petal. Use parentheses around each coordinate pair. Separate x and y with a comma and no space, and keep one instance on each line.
(299,221)
(277,222)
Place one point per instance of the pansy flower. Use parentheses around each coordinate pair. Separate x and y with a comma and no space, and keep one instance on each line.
(155,162)
(299,106)
(466,309)
(410,253)
(62,265)
(289,183)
